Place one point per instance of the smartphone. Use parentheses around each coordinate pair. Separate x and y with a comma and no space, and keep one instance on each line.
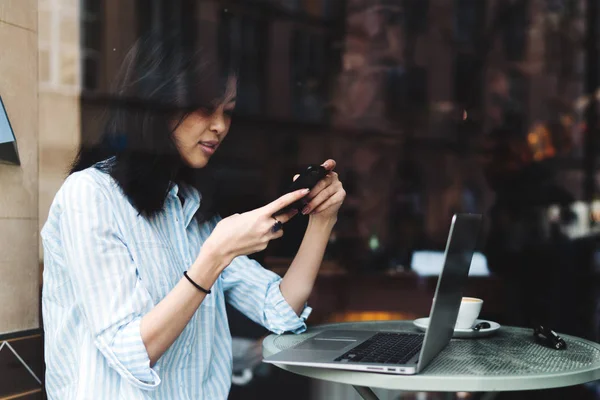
(307,180)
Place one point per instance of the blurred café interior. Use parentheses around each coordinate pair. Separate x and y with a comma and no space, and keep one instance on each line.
(429,107)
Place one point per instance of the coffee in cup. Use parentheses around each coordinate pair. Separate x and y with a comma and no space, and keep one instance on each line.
(469,310)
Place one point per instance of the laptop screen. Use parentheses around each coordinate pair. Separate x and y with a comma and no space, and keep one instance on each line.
(462,241)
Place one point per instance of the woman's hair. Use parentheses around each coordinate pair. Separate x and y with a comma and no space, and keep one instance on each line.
(163,78)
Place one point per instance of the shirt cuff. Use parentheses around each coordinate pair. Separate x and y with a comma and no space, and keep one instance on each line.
(279,315)
(128,356)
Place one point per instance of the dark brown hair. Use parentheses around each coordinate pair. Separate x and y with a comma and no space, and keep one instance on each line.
(163,78)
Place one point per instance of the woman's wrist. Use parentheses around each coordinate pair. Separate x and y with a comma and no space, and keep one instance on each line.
(208,266)
(322,223)
(217,251)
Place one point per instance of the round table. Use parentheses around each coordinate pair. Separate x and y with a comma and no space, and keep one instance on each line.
(507,361)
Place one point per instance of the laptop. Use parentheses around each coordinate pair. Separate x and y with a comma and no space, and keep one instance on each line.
(398,352)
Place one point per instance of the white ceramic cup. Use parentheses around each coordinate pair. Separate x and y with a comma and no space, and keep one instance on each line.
(470,307)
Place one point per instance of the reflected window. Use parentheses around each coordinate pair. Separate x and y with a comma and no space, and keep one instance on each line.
(290,5)
(331,9)
(518,87)
(514,34)
(92,30)
(243,41)
(468,22)
(309,71)
(172,16)
(415,18)
(466,90)
(407,92)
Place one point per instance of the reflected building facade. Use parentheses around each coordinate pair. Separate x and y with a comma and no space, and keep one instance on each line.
(411,98)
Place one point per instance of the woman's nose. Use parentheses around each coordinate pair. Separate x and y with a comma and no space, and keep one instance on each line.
(218,124)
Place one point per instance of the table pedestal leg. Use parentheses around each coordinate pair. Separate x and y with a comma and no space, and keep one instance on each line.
(489,396)
(366,393)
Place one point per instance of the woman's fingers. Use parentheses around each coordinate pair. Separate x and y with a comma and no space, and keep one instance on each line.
(277,234)
(322,184)
(329,164)
(274,225)
(337,198)
(283,218)
(282,202)
(274,228)
(320,198)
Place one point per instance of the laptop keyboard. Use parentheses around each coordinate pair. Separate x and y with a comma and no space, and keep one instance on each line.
(385,348)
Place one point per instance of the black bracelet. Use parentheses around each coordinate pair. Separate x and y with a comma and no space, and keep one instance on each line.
(200,288)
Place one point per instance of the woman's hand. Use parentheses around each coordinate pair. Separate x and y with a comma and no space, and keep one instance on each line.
(251,232)
(326,197)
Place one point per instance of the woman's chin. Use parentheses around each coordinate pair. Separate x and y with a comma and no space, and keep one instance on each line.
(196,162)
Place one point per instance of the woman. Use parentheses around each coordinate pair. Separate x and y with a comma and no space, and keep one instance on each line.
(137,266)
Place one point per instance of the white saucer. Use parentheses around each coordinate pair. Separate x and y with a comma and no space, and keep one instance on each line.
(422,324)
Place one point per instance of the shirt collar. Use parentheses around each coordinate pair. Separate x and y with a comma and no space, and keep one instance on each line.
(192,201)
(173,189)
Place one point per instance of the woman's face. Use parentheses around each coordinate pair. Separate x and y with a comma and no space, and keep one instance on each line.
(200,133)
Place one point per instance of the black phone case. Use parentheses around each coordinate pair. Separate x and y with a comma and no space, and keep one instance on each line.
(307,180)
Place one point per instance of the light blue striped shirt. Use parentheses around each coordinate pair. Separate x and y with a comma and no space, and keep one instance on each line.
(105,267)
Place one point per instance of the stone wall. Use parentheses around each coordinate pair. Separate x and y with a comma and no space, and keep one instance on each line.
(19,277)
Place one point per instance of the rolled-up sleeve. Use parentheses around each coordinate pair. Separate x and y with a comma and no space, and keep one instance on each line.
(281,315)
(255,292)
(110,294)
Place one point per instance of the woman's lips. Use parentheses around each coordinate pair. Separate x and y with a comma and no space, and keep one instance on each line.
(209,147)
